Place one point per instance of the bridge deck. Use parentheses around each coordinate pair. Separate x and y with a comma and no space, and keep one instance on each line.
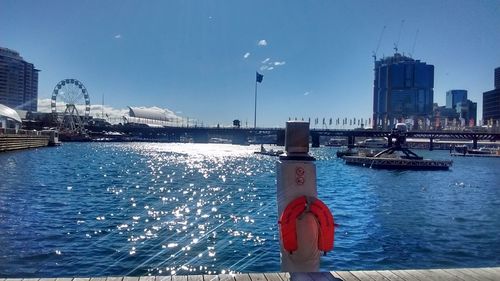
(461,274)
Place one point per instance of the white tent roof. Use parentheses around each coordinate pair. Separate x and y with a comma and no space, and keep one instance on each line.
(9,113)
(148,113)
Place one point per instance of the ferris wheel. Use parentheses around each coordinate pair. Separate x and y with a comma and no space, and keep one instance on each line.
(69,94)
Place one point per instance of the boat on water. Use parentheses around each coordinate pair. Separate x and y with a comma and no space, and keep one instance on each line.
(373,143)
(335,142)
(465,150)
(398,156)
(270,152)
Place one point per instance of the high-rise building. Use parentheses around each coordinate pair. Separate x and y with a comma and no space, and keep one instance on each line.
(455,96)
(491,102)
(403,89)
(497,78)
(467,111)
(18,81)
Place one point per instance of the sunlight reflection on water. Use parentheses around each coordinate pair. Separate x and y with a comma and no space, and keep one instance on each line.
(149,208)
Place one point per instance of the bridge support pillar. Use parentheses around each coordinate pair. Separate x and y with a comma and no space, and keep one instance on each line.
(431,144)
(200,137)
(280,137)
(239,138)
(351,141)
(315,140)
(474,143)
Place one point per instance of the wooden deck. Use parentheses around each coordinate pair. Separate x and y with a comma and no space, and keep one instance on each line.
(461,274)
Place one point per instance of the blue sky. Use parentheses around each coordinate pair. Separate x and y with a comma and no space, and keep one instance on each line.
(189,56)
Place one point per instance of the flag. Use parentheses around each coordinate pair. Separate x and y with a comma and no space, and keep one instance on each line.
(259,77)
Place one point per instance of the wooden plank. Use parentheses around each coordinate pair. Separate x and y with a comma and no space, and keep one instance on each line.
(439,274)
(257,277)
(335,274)
(479,274)
(363,275)
(96,279)
(179,278)
(389,275)
(272,277)
(491,270)
(113,278)
(226,277)
(347,276)
(163,278)
(195,277)
(462,274)
(405,275)
(489,273)
(128,278)
(374,275)
(242,277)
(496,269)
(64,279)
(417,274)
(210,277)
(284,275)
(28,279)
(147,278)
(80,279)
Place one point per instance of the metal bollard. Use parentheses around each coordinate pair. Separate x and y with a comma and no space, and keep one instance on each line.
(305,230)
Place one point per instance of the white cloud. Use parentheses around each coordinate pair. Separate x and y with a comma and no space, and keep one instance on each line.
(246,55)
(266,60)
(307,93)
(264,67)
(262,43)
(96,110)
(118,36)
(279,63)
(270,68)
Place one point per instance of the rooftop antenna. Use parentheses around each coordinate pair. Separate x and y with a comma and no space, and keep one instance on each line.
(399,36)
(374,55)
(414,42)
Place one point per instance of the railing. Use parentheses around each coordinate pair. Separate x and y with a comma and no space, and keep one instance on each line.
(12,131)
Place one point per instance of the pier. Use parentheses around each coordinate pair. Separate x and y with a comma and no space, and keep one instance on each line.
(23,140)
(461,274)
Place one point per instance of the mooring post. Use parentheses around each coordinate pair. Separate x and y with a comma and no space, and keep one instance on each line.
(300,221)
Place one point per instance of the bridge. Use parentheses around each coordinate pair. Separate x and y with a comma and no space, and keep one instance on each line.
(265,135)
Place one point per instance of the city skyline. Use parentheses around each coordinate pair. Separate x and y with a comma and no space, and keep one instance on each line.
(199,59)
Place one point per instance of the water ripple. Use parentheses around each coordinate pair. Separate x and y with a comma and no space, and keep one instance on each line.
(147,208)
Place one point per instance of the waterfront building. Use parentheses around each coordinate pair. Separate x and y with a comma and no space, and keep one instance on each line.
(491,102)
(455,96)
(403,89)
(467,112)
(9,119)
(18,81)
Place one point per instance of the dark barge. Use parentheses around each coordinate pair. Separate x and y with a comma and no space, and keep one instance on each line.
(398,156)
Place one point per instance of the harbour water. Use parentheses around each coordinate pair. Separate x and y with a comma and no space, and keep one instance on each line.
(100,209)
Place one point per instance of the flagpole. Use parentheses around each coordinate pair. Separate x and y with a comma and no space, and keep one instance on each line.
(255,108)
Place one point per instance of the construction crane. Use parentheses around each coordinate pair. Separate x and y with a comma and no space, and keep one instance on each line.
(414,43)
(374,55)
(399,36)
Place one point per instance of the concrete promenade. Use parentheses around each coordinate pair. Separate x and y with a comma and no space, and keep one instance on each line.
(460,274)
